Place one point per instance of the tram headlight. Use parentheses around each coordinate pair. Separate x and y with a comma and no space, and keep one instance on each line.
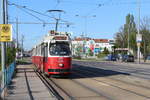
(61,65)
(53,41)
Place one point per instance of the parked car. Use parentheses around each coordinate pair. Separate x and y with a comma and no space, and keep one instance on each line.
(128,58)
(148,57)
(111,57)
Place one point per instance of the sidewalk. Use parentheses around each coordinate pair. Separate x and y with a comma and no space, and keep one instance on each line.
(26,85)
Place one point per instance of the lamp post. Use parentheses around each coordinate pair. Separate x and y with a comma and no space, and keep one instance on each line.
(84,35)
(3,17)
(85,19)
(129,38)
(22,50)
(138,35)
(17,33)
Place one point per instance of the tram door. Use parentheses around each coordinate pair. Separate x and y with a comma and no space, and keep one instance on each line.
(45,57)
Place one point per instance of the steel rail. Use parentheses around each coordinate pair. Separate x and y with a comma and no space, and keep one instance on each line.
(91,89)
(28,86)
(123,70)
(94,72)
(56,90)
(70,97)
(111,84)
(48,85)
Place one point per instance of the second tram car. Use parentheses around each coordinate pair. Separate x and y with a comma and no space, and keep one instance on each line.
(53,55)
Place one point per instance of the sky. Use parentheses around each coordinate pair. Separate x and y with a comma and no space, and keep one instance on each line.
(93,18)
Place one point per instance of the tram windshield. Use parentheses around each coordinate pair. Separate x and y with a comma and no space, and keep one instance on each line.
(61,49)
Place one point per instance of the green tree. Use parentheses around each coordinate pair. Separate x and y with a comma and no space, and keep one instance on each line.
(127,30)
(103,54)
(145,31)
(78,50)
(11,54)
(106,51)
(90,52)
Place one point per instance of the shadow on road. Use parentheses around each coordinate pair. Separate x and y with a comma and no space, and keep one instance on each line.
(23,63)
(80,71)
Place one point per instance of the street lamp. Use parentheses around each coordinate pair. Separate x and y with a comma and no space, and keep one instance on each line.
(129,38)
(85,18)
(138,35)
(84,35)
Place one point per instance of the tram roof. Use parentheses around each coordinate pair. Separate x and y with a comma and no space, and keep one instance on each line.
(50,37)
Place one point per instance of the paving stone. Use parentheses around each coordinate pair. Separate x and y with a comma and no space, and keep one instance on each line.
(18,89)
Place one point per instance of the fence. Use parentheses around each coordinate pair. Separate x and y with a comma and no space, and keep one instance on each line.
(8,74)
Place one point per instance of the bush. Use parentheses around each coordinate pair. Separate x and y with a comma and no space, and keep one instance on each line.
(106,51)
(10,56)
(77,57)
(101,55)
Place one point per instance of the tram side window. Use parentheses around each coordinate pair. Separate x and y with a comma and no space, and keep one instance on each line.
(36,51)
(46,51)
(42,50)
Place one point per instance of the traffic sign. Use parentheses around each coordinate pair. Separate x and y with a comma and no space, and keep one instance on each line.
(121,49)
(138,44)
(5,32)
(139,38)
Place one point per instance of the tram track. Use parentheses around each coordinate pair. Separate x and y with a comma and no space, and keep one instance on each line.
(104,82)
(65,95)
(91,89)
(61,94)
(98,96)
(66,92)
(121,73)
(53,88)
(28,86)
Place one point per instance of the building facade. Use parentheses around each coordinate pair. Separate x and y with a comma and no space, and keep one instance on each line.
(85,46)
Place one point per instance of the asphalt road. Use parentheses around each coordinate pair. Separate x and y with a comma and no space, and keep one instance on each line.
(107,81)
(138,70)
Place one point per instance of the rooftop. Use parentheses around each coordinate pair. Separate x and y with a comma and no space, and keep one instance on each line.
(96,40)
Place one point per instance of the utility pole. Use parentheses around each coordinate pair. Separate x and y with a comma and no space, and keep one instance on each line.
(85,29)
(22,46)
(129,38)
(6,11)
(82,37)
(3,46)
(16,32)
(85,23)
(138,52)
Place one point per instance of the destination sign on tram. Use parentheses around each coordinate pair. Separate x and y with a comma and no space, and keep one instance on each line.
(60,38)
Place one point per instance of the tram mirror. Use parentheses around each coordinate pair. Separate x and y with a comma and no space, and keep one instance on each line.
(45,44)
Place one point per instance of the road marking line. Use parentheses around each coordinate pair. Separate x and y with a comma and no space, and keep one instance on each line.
(103,84)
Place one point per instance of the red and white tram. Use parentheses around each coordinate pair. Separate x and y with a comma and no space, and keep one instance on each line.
(53,54)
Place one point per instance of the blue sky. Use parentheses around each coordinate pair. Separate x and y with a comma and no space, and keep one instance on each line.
(110,16)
